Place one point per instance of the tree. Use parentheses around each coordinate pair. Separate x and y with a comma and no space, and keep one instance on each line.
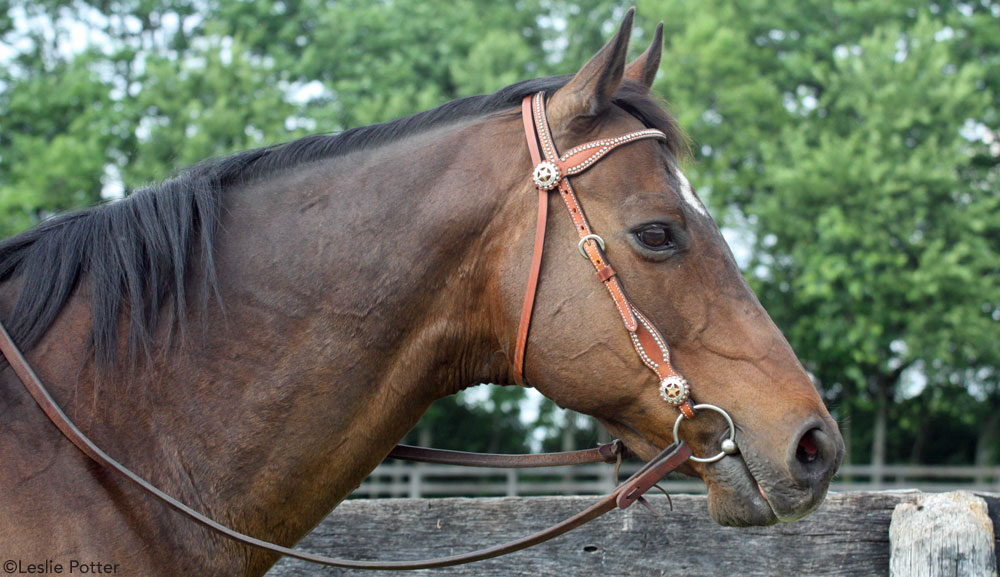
(54,142)
(837,134)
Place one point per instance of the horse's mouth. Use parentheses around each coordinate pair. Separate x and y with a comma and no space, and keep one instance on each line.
(735,497)
(745,490)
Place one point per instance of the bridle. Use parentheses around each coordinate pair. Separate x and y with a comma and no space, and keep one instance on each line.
(552,173)
(549,174)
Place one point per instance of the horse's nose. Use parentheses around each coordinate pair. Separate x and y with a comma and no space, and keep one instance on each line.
(816,456)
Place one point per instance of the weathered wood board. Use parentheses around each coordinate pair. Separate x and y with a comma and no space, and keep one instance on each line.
(942,535)
(847,536)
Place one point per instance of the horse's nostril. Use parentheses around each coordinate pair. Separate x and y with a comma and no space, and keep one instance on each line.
(814,455)
(807,451)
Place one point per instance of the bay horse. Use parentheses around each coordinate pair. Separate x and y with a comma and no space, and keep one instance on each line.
(255,335)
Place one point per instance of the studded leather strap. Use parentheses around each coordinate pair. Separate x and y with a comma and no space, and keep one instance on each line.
(552,173)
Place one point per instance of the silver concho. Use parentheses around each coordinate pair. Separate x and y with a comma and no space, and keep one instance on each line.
(546,175)
(674,390)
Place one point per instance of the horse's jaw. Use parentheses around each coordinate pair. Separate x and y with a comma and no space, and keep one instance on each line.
(735,497)
(744,489)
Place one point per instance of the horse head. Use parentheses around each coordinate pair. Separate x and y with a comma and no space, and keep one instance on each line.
(675,265)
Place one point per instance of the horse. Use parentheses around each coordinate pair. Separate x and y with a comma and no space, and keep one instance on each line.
(254,335)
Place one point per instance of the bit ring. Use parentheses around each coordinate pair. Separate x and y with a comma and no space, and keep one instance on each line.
(728,445)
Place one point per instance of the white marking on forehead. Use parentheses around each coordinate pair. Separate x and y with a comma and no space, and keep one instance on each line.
(689,195)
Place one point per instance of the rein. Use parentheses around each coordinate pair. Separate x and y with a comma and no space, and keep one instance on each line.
(623,496)
(607,453)
(549,174)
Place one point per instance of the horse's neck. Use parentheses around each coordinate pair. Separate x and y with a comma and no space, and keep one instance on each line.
(353,295)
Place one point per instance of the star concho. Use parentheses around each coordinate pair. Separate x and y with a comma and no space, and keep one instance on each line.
(674,390)
(546,175)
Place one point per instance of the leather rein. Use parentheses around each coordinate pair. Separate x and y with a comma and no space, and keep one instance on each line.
(549,174)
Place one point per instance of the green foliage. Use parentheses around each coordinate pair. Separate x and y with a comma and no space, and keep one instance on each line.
(53,144)
(427,52)
(493,426)
(216,101)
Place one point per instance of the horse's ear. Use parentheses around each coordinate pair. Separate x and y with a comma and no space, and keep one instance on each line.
(643,69)
(589,92)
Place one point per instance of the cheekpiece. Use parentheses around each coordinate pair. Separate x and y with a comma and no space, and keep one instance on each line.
(675,390)
(546,175)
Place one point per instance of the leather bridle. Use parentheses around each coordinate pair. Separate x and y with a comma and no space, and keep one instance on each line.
(552,173)
(549,174)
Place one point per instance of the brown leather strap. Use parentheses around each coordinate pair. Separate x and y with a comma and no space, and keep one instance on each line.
(646,339)
(650,474)
(607,453)
(669,459)
(536,254)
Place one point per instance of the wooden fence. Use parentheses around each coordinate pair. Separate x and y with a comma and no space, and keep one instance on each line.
(902,534)
(420,480)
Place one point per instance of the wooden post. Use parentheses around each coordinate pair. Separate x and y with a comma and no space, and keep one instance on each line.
(511,482)
(568,444)
(942,535)
(607,474)
(415,480)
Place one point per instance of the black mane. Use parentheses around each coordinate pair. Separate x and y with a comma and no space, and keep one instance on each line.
(134,253)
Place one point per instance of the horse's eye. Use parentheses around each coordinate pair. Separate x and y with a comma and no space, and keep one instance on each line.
(655,237)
